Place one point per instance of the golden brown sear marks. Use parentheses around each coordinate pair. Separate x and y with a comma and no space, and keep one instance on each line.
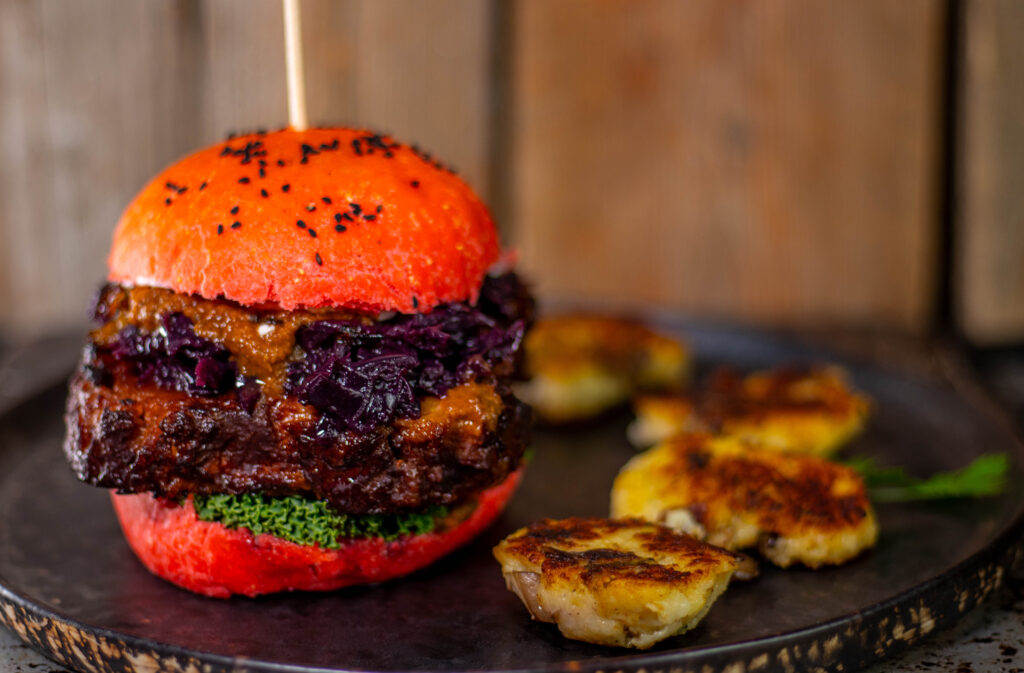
(580,366)
(800,409)
(627,582)
(793,508)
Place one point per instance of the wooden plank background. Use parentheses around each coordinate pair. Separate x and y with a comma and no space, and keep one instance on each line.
(771,160)
(96,97)
(989,286)
(768,161)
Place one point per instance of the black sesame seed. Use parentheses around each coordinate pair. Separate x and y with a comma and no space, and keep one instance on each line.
(337,217)
(202,186)
(234,211)
(171,186)
(369,218)
(167,201)
(339,228)
(243,181)
(263,172)
(236,225)
(415,183)
(319,260)
(326,199)
(263,162)
(300,224)
(357,147)
(220,229)
(380,207)
(347,217)
(264,193)
(312,232)
(226,151)
(356,208)
(415,302)
(310,208)
(182,190)
(280,162)
(285,188)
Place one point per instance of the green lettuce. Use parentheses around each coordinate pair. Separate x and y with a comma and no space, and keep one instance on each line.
(308,522)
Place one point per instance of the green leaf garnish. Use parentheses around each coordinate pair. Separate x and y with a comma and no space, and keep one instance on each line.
(307,522)
(985,476)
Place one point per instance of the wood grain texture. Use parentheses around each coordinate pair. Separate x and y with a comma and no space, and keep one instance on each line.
(772,161)
(91,101)
(989,280)
(424,76)
(96,97)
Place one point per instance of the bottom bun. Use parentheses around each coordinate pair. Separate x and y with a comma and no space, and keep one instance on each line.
(211,559)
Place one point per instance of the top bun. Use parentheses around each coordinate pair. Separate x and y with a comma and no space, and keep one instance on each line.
(324,217)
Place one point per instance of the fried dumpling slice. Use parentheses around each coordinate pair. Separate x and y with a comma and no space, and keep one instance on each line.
(793,508)
(627,582)
(801,409)
(580,366)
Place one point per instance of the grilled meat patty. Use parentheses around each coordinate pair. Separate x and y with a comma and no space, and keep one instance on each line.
(374,414)
(171,444)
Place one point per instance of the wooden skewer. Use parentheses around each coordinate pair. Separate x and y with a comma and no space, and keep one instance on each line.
(293,61)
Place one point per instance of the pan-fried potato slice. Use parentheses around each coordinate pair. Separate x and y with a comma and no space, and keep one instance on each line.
(660,416)
(627,582)
(803,410)
(580,366)
(793,508)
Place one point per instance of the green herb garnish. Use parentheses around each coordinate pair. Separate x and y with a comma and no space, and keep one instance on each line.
(983,477)
(309,522)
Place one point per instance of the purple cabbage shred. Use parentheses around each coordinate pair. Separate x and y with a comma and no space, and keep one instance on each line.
(175,357)
(359,376)
(362,376)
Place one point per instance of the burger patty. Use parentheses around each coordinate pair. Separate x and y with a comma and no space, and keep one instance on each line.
(375,414)
(139,438)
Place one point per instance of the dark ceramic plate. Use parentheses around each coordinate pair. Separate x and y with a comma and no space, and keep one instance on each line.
(70,586)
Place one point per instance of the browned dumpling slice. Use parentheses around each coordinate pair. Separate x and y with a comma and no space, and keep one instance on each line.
(627,583)
(792,508)
(580,366)
(804,410)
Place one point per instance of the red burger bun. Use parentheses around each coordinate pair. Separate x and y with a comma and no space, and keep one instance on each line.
(213,560)
(324,217)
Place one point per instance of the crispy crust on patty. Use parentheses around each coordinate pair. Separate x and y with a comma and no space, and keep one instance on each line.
(138,439)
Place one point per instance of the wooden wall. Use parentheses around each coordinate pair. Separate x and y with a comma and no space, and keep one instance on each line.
(771,160)
(776,161)
(989,287)
(96,97)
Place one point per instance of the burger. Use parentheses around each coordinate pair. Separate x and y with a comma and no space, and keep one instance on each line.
(299,372)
